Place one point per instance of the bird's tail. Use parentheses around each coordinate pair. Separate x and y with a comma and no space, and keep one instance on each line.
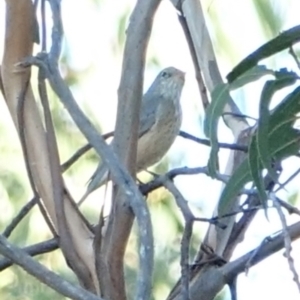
(99,178)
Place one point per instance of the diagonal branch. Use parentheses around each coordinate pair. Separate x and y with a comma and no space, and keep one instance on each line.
(33,250)
(43,274)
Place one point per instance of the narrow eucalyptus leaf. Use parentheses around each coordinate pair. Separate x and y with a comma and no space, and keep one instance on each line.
(252,75)
(283,41)
(233,187)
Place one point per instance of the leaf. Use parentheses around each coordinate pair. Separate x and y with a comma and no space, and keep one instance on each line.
(251,75)
(285,112)
(281,42)
(236,182)
(256,171)
(219,97)
(289,143)
(283,79)
(283,141)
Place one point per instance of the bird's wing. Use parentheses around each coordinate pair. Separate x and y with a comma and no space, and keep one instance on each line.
(148,114)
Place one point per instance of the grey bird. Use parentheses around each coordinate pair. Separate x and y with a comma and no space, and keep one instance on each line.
(160,121)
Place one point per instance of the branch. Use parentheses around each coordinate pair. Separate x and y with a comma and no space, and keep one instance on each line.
(36,249)
(270,246)
(81,151)
(207,142)
(212,278)
(287,239)
(186,237)
(118,172)
(125,145)
(159,181)
(16,220)
(43,274)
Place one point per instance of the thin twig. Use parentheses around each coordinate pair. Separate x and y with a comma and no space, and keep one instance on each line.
(184,258)
(17,219)
(295,57)
(290,208)
(269,246)
(161,179)
(207,142)
(287,239)
(282,185)
(81,151)
(186,237)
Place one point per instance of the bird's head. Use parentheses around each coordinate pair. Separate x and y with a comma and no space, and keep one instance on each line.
(168,83)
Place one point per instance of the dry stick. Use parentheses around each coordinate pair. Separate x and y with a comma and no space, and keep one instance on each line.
(186,237)
(43,274)
(287,239)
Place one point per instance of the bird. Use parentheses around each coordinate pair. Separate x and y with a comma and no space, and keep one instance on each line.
(160,122)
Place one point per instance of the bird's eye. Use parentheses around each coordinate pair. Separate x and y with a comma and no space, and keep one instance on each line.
(165,74)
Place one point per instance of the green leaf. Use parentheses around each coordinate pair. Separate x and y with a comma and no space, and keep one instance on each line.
(282,141)
(256,170)
(236,182)
(251,75)
(281,42)
(285,112)
(219,97)
(285,145)
(283,79)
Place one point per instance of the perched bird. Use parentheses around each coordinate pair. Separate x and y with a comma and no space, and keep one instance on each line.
(160,121)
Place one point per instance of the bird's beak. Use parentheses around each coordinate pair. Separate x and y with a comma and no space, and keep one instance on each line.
(181,76)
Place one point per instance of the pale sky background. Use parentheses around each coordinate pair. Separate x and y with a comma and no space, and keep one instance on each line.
(90,33)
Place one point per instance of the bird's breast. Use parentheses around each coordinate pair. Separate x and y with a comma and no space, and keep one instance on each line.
(157,141)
